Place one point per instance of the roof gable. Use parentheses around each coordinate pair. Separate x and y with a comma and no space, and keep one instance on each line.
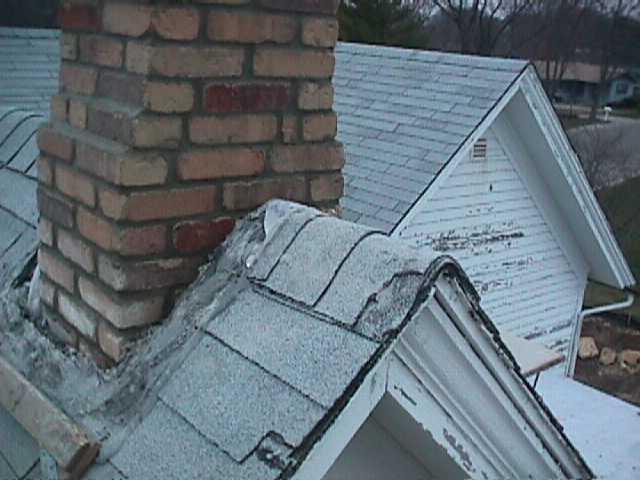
(402,115)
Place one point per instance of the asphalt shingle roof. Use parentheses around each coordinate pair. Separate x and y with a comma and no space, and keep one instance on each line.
(29,62)
(402,114)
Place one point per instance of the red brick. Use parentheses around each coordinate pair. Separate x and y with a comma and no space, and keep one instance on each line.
(59,329)
(122,87)
(78,17)
(126,241)
(290,129)
(191,237)
(58,108)
(76,250)
(249,27)
(101,50)
(307,158)
(156,131)
(56,269)
(148,274)
(92,351)
(246,98)
(176,23)
(55,143)
(139,206)
(307,6)
(220,163)
(126,19)
(280,62)
(326,187)
(75,185)
(239,128)
(122,312)
(69,46)
(248,195)
(55,209)
(83,319)
(77,114)
(78,79)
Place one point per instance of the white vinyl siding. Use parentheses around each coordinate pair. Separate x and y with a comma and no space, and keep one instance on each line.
(484,215)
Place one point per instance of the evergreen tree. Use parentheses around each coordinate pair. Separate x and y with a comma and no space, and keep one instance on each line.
(398,23)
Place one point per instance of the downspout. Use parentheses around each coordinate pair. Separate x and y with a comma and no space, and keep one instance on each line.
(575,338)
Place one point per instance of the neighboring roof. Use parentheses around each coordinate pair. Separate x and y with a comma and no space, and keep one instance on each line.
(19,452)
(29,62)
(262,353)
(18,208)
(402,115)
(576,71)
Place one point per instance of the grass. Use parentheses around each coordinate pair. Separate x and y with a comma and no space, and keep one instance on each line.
(621,204)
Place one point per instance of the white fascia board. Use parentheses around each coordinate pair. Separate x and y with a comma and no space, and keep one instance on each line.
(561,147)
(462,153)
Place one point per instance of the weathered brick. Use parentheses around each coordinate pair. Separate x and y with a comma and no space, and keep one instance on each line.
(221,163)
(45,171)
(139,206)
(91,350)
(75,185)
(315,96)
(123,312)
(55,143)
(197,236)
(78,17)
(246,98)
(45,231)
(152,131)
(112,342)
(58,108)
(101,50)
(249,27)
(59,329)
(126,241)
(78,79)
(167,97)
(69,46)
(307,158)
(126,19)
(326,187)
(78,114)
(233,129)
(248,195)
(76,250)
(55,209)
(122,168)
(56,269)
(307,6)
(83,319)
(109,123)
(176,23)
(121,86)
(148,274)
(280,62)
(320,32)
(47,291)
(321,126)
(185,61)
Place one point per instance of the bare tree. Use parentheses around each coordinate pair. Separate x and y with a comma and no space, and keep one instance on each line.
(480,24)
(604,153)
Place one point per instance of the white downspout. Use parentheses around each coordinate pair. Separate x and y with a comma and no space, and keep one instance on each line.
(575,338)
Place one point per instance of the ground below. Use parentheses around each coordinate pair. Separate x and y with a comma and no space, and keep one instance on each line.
(617,375)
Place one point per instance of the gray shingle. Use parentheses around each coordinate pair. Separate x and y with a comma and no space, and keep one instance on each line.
(18,195)
(422,105)
(318,265)
(235,403)
(5,470)
(17,447)
(315,357)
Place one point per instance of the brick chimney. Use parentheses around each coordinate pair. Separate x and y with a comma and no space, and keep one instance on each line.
(173,120)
